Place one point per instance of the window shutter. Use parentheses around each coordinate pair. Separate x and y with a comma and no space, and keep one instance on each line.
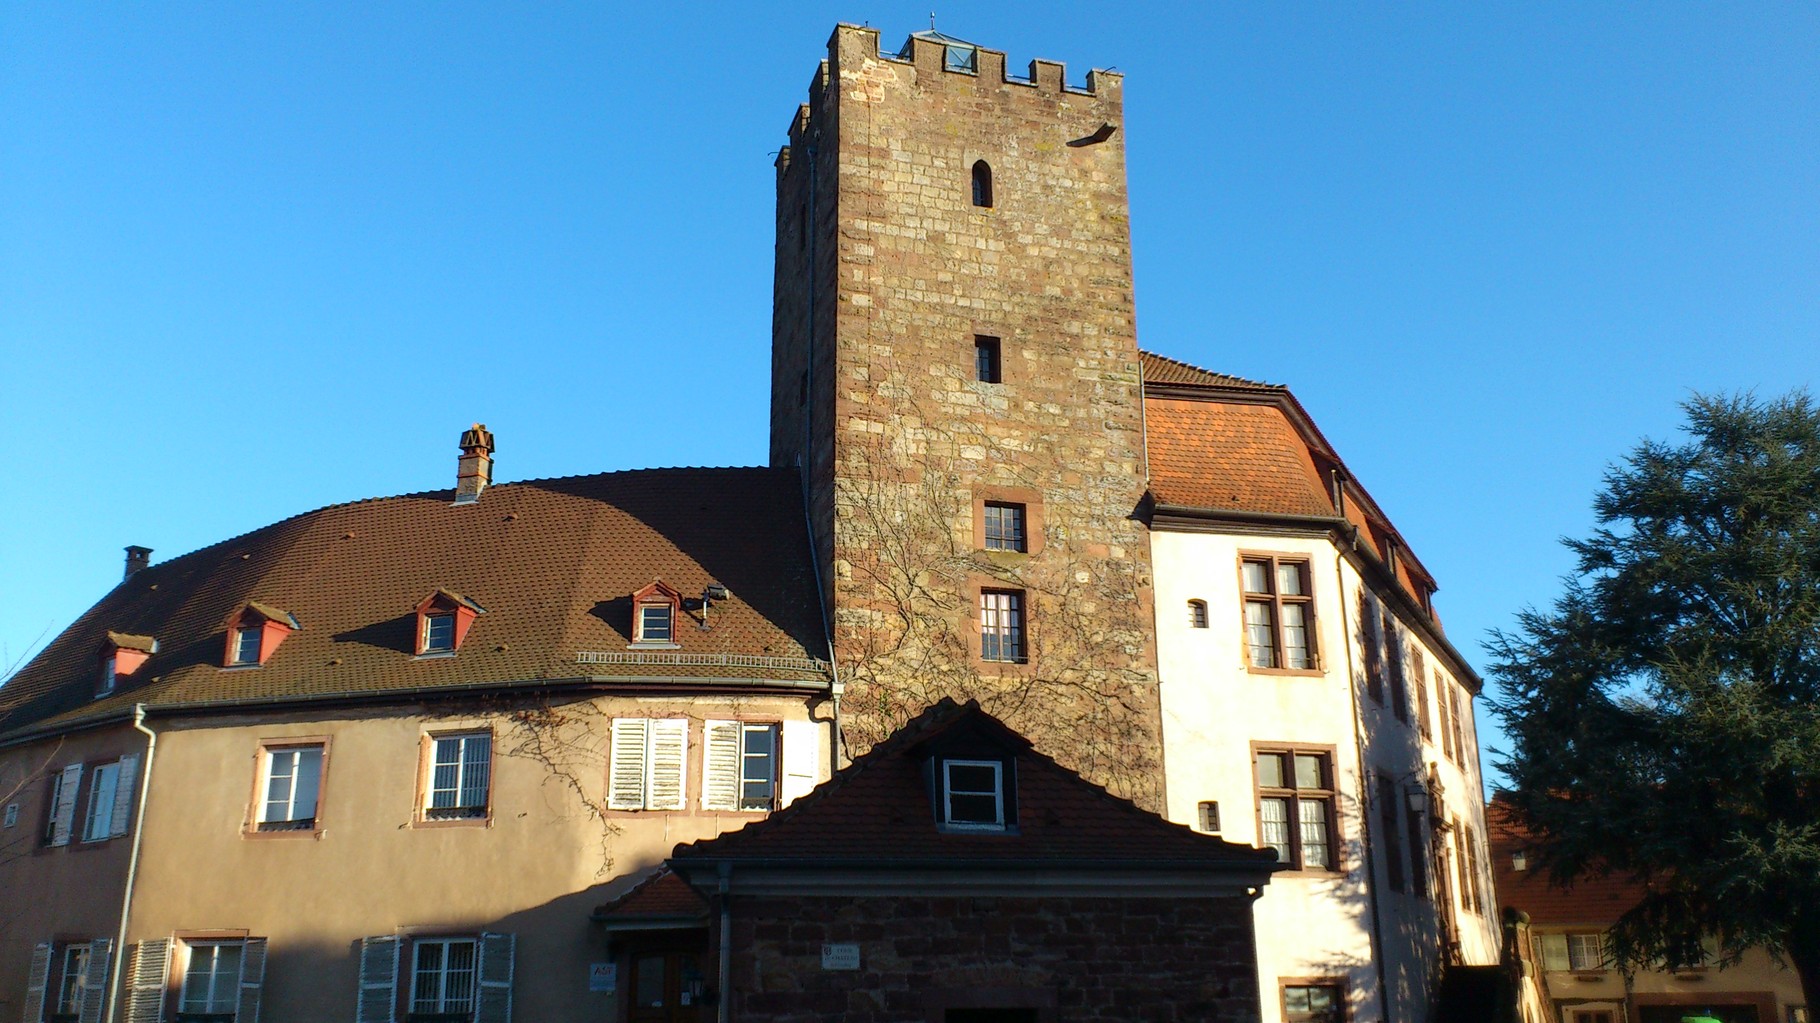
(496,954)
(124,794)
(626,787)
(252,980)
(64,815)
(1554,952)
(720,766)
(148,976)
(94,984)
(378,980)
(35,983)
(669,753)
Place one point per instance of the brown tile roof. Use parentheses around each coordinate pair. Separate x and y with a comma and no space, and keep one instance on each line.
(1160,369)
(1589,902)
(662,896)
(127,641)
(1231,455)
(554,563)
(877,811)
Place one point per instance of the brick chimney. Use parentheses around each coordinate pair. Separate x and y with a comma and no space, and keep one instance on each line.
(474,473)
(136,559)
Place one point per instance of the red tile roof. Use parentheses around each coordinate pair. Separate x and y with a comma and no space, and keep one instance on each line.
(876,812)
(554,563)
(1238,456)
(661,897)
(1160,369)
(1588,902)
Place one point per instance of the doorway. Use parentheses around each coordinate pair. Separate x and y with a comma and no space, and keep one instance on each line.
(667,987)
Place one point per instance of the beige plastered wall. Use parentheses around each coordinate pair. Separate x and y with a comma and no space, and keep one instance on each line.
(535,867)
(1214,708)
(1555,994)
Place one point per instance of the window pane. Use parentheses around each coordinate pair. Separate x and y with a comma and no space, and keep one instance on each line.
(654,623)
(1308,773)
(477,753)
(426,989)
(438,633)
(971,809)
(458,984)
(1260,635)
(1257,577)
(308,780)
(1289,581)
(1295,637)
(1315,849)
(246,645)
(1197,614)
(1275,817)
(1270,770)
(649,984)
(757,767)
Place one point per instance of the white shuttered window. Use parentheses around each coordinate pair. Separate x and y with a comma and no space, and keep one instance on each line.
(64,786)
(739,768)
(648,764)
(146,978)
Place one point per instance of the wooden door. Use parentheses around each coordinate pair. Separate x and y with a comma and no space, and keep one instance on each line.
(667,987)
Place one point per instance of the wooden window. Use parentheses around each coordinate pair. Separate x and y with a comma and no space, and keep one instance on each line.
(438,633)
(1393,656)
(1418,673)
(1476,894)
(1005,526)
(973,795)
(246,644)
(60,820)
(109,675)
(290,785)
(1002,626)
(211,982)
(649,764)
(1314,1003)
(444,972)
(988,365)
(72,982)
(1296,807)
(739,766)
(1279,613)
(1371,624)
(1459,723)
(461,769)
(656,623)
(1387,826)
(110,799)
(982,184)
(1582,952)
(1444,697)
(1420,852)
(1197,614)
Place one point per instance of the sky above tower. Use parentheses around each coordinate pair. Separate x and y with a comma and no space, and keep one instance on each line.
(255,261)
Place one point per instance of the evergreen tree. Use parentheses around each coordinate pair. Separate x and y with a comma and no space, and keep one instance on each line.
(1664,713)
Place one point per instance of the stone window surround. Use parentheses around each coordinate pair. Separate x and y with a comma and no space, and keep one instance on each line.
(1336,835)
(256,799)
(1032,500)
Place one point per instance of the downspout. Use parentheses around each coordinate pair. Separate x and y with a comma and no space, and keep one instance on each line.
(1366,796)
(807,463)
(132,864)
(724,1004)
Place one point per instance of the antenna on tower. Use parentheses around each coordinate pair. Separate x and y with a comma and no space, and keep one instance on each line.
(931,21)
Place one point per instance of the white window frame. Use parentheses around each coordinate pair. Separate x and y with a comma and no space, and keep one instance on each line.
(725,755)
(1570,952)
(110,675)
(60,1002)
(440,1001)
(648,766)
(268,759)
(241,634)
(997,792)
(643,632)
(430,618)
(214,995)
(98,816)
(457,810)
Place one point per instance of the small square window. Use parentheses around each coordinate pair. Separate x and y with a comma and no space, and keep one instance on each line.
(246,644)
(987,366)
(439,633)
(964,59)
(1005,527)
(656,623)
(1002,626)
(461,770)
(973,795)
(1210,817)
(1197,614)
(1313,1003)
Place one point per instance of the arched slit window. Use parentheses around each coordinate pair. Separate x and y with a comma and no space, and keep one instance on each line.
(1197,614)
(982,184)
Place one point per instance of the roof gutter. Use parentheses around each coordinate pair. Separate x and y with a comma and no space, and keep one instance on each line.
(955,865)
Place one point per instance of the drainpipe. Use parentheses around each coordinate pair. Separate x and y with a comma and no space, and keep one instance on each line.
(132,864)
(725,1001)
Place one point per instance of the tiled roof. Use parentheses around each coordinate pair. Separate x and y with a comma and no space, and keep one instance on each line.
(1589,902)
(1160,369)
(662,896)
(1231,455)
(876,811)
(553,562)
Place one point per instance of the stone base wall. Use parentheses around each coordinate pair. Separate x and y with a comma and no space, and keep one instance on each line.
(1085,960)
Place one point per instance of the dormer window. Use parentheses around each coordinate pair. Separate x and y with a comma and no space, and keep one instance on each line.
(121,654)
(443,621)
(254,632)
(109,677)
(973,795)
(654,614)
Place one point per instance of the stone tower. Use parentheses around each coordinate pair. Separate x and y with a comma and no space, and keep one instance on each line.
(955,369)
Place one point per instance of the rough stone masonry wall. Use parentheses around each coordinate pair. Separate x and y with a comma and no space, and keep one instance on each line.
(916,442)
(1100,960)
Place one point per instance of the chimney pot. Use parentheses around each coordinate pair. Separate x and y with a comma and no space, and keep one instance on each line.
(474,471)
(137,558)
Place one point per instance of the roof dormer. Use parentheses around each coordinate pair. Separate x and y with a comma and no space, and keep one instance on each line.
(972,775)
(122,653)
(656,612)
(443,620)
(254,632)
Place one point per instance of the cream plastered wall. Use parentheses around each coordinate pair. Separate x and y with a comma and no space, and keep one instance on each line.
(1309,926)
(1557,992)
(535,867)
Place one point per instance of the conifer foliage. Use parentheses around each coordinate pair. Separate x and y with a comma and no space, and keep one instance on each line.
(1664,713)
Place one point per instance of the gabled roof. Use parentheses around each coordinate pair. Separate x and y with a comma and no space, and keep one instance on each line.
(273,614)
(876,813)
(553,561)
(661,900)
(128,641)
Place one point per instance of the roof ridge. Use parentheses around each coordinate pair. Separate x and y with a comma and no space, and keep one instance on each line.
(1227,379)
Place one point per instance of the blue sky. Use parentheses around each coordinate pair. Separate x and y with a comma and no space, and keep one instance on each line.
(258,259)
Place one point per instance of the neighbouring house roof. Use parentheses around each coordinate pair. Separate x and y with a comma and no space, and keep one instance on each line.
(876,813)
(554,562)
(660,900)
(1592,902)
(1160,369)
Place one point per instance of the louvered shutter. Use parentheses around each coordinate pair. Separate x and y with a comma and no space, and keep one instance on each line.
(626,786)
(94,982)
(252,981)
(124,794)
(1554,952)
(720,766)
(150,972)
(378,980)
(669,758)
(497,952)
(63,817)
(36,982)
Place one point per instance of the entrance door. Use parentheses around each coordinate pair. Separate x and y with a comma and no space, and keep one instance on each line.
(667,987)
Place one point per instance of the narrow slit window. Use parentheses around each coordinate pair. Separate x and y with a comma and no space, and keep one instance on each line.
(987,367)
(982,184)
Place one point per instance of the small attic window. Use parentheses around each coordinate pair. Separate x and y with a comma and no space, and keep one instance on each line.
(655,609)
(121,654)
(253,634)
(246,645)
(443,620)
(109,675)
(973,795)
(961,58)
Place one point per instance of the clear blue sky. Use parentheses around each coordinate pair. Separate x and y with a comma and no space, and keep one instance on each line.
(254,260)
